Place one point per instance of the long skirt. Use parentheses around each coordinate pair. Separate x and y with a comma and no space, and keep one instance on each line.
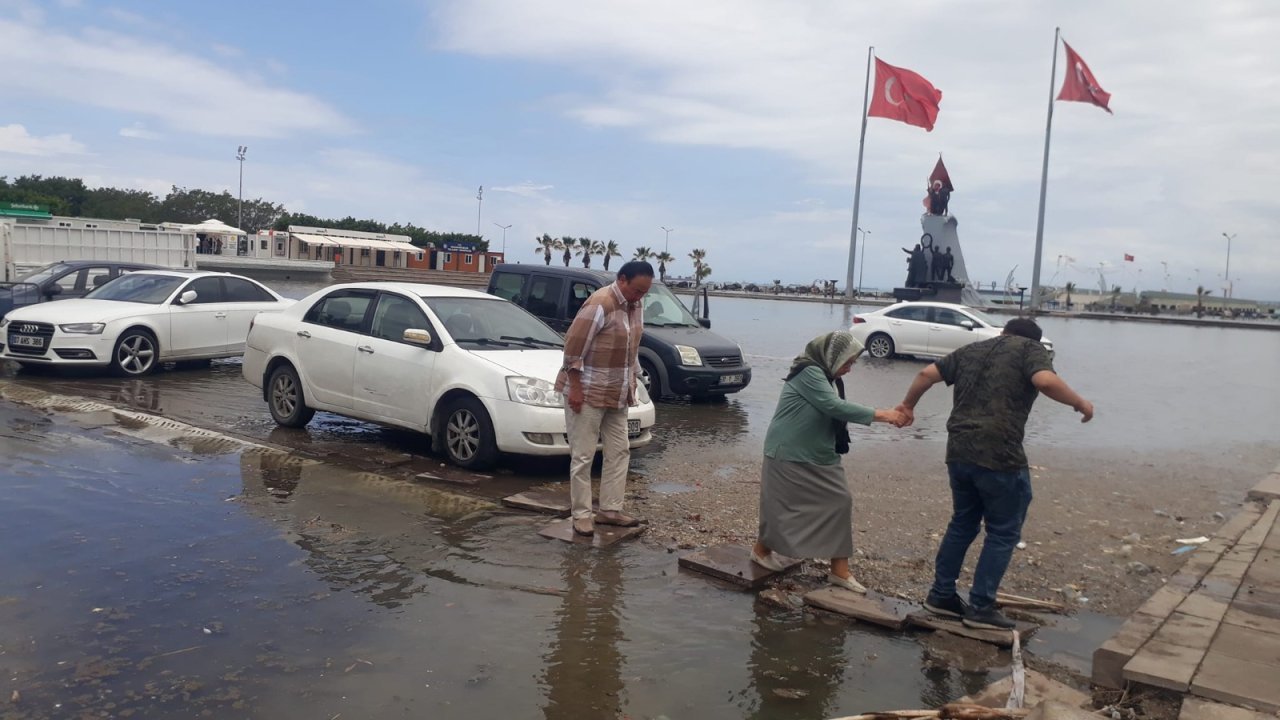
(806,510)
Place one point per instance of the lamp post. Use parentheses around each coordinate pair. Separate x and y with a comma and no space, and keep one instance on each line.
(666,246)
(862,261)
(240,151)
(479,205)
(1227,275)
(504,239)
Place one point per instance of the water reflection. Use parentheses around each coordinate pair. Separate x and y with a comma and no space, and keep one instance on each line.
(583,675)
(797,664)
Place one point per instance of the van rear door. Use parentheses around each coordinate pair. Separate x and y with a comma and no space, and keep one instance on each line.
(544,298)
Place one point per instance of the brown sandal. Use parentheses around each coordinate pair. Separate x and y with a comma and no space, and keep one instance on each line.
(584,527)
(617,519)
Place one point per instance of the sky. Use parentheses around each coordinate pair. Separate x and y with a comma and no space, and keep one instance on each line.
(734,123)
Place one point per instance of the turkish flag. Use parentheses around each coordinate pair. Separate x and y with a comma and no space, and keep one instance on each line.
(1128,257)
(1080,84)
(904,96)
(940,173)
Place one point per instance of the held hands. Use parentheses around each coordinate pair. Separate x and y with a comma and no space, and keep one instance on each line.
(893,417)
(910,414)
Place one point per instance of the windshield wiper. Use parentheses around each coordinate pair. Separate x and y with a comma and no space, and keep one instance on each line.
(670,324)
(482,341)
(532,341)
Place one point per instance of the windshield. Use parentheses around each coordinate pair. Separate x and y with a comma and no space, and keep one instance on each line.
(485,322)
(38,276)
(663,309)
(139,288)
(993,322)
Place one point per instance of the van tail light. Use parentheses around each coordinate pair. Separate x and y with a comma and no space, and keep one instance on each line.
(858,319)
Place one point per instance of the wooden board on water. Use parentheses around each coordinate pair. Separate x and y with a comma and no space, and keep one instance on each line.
(732,564)
(871,608)
(1002,638)
(550,500)
(605,535)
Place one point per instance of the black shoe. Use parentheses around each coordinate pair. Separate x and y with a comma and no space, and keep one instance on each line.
(987,619)
(947,607)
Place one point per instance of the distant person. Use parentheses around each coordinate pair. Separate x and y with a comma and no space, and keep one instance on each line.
(806,510)
(601,367)
(996,381)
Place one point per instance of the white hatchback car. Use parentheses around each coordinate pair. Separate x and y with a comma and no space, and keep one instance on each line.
(473,371)
(932,329)
(140,320)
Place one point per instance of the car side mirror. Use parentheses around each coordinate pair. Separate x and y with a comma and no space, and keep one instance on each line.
(421,338)
(967,324)
(187,297)
(52,290)
(705,322)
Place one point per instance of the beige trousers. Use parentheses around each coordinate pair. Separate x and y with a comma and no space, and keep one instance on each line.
(586,430)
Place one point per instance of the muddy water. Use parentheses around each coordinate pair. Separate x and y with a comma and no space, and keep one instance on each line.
(148,581)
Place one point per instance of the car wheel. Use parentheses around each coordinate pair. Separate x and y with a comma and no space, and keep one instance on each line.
(137,353)
(880,346)
(286,400)
(468,435)
(650,378)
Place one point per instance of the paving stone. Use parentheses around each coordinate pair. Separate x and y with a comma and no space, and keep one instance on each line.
(1257,533)
(1204,605)
(1038,688)
(1245,644)
(1239,682)
(1186,630)
(1194,708)
(1267,489)
(1265,569)
(731,563)
(871,608)
(1164,665)
(1273,540)
(605,535)
(1246,619)
(1163,602)
(1260,603)
(1110,658)
(1238,523)
(1002,638)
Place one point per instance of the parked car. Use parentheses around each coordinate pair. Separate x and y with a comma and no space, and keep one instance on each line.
(63,281)
(140,320)
(679,355)
(474,372)
(925,328)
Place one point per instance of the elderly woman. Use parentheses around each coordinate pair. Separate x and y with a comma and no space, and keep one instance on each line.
(805,505)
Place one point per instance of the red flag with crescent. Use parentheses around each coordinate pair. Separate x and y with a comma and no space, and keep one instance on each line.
(940,174)
(904,96)
(1080,85)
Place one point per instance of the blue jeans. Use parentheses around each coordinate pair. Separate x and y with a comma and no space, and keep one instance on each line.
(978,495)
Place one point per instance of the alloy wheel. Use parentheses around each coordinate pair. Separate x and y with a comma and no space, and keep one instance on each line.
(136,354)
(880,347)
(284,395)
(463,434)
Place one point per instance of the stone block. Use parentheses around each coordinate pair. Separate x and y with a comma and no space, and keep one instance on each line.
(1194,708)
(604,536)
(1001,638)
(1257,533)
(1110,658)
(1204,605)
(1163,602)
(1245,644)
(1267,489)
(732,564)
(1238,682)
(1238,523)
(1186,630)
(871,608)
(1245,619)
(1164,665)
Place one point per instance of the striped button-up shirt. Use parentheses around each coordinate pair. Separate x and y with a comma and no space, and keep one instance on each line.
(603,343)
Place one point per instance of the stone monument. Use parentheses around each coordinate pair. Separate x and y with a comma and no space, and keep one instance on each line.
(935,267)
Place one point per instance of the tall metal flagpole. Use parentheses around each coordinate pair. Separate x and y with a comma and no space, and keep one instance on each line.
(857,183)
(1044,180)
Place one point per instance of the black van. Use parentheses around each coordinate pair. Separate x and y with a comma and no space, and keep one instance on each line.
(679,355)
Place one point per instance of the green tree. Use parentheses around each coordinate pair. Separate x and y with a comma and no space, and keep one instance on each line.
(610,250)
(546,244)
(701,273)
(567,244)
(1201,294)
(586,247)
(663,258)
(1115,296)
(643,253)
(699,258)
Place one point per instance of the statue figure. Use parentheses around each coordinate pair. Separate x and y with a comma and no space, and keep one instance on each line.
(917,266)
(939,196)
(948,262)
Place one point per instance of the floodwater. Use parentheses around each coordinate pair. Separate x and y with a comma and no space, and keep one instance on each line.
(173,579)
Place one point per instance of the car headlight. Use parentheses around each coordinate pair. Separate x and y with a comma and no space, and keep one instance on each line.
(83,328)
(689,355)
(533,391)
(3,322)
(642,395)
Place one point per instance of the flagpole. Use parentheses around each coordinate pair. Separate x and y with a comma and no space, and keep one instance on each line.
(1044,180)
(857,183)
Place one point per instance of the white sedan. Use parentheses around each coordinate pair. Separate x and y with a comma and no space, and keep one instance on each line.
(930,329)
(139,320)
(473,371)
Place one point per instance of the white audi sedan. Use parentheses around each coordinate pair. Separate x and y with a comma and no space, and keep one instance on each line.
(931,329)
(139,320)
(473,371)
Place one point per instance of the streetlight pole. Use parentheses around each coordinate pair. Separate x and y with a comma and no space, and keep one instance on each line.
(1227,275)
(504,239)
(479,205)
(666,247)
(862,261)
(240,151)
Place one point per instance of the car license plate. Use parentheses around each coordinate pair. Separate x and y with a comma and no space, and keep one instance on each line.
(26,341)
(730,379)
(633,428)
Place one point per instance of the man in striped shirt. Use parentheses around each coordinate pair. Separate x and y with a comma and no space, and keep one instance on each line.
(601,366)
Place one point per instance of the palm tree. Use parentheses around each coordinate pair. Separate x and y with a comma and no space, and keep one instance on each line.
(546,244)
(663,258)
(777,286)
(1115,296)
(1201,294)
(566,244)
(698,256)
(643,253)
(610,250)
(700,274)
(1071,287)
(586,247)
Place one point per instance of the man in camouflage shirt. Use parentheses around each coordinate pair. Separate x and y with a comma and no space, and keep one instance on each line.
(996,381)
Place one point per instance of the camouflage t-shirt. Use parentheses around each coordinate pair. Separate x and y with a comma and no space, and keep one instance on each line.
(992,399)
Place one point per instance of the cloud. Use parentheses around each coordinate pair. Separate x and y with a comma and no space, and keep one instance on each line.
(142,75)
(139,132)
(525,189)
(16,140)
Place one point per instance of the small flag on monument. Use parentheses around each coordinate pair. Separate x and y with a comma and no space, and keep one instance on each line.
(1128,257)
(904,96)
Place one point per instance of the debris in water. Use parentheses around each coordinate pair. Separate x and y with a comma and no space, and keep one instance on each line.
(1193,541)
(790,693)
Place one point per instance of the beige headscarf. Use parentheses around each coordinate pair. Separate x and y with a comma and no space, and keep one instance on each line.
(829,352)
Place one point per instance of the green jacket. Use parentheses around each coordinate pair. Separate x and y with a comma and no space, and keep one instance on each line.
(803,427)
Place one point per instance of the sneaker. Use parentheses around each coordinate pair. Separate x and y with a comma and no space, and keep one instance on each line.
(952,607)
(987,619)
(847,583)
(768,562)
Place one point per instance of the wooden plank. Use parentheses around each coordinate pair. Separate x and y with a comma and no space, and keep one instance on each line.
(871,608)
(1002,638)
(605,535)
(550,500)
(732,564)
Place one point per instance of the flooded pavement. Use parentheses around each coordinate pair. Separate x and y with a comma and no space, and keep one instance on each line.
(193,578)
